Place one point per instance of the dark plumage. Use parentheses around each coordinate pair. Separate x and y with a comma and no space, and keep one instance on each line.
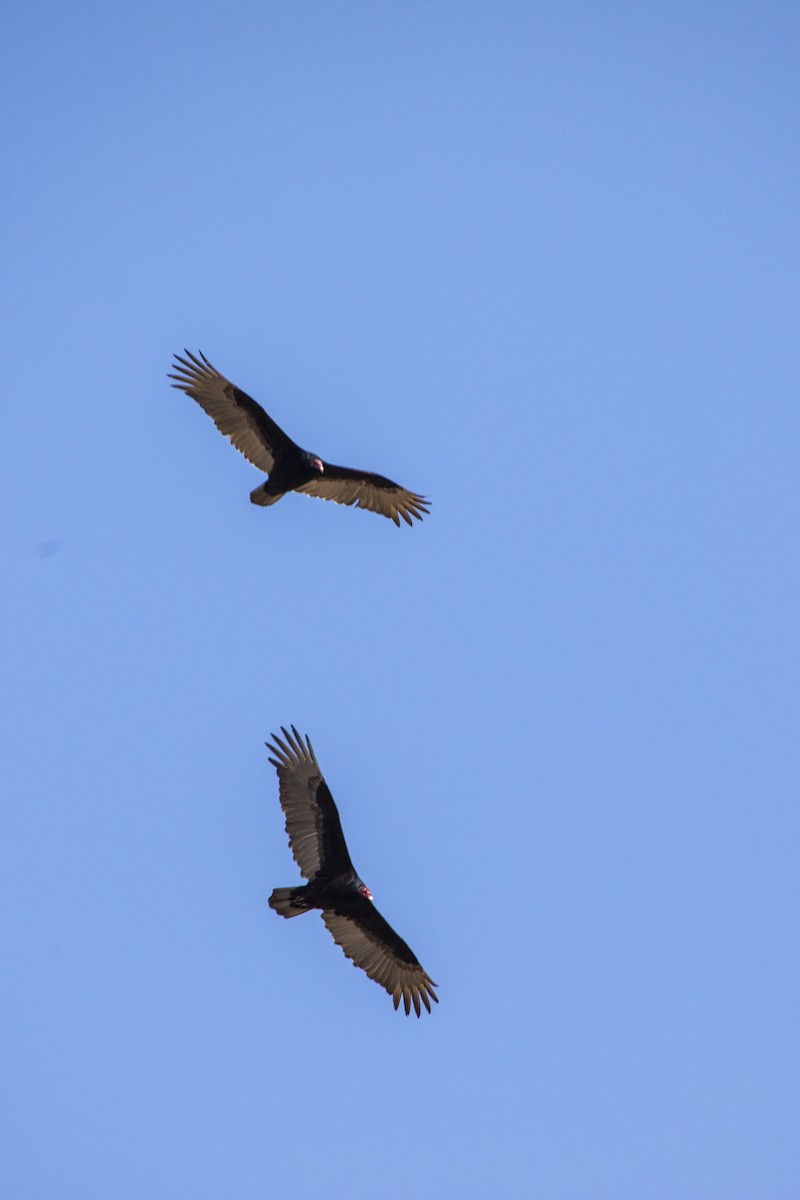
(289,468)
(317,843)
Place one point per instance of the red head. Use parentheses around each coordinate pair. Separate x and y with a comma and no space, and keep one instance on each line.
(364,891)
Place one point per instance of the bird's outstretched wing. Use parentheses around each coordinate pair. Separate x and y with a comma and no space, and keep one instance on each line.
(234,413)
(312,820)
(371,943)
(366,490)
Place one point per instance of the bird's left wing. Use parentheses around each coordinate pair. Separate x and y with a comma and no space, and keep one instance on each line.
(252,431)
(371,943)
(312,819)
(366,490)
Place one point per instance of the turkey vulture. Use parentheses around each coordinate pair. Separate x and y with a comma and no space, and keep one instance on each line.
(290,469)
(317,843)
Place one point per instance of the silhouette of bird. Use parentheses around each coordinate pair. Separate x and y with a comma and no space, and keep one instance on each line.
(334,887)
(290,468)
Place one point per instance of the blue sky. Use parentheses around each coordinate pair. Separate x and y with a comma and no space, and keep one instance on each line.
(541,263)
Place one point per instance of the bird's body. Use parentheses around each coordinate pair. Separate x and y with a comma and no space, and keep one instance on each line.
(334,887)
(290,473)
(290,468)
(324,891)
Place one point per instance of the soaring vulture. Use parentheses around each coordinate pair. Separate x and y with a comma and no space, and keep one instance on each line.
(289,468)
(334,887)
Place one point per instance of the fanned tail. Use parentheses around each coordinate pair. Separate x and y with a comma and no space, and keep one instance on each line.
(282,901)
(261,496)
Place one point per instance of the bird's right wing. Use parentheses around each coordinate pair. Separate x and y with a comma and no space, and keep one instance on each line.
(371,943)
(312,819)
(234,413)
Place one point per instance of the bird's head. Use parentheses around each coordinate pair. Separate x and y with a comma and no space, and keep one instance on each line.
(364,891)
(316,464)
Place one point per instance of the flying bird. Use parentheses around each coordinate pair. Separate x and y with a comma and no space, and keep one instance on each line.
(334,887)
(289,468)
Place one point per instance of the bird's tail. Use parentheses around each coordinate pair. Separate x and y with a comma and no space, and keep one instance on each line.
(282,900)
(261,496)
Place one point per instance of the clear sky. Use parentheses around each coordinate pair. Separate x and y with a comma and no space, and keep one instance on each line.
(541,262)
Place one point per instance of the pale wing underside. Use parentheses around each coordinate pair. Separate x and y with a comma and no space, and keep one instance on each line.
(312,821)
(406,981)
(364,490)
(234,413)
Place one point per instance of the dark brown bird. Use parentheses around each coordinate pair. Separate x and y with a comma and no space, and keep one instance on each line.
(345,902)
(290,469)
